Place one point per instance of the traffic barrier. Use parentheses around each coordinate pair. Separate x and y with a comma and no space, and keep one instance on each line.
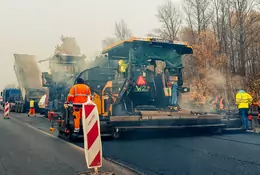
(7,110)
(92,136)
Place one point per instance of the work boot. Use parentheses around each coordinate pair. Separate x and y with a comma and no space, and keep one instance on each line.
(75,135)
(76,130)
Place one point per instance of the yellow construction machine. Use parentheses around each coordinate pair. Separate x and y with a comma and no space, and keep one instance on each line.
(145,94)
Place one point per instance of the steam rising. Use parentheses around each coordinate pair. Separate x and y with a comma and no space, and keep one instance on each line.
(210,84)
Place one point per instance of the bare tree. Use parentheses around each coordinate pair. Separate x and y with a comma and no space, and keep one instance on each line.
(69,45)
(122,32)
(243,9)
(170,19)
(198,13)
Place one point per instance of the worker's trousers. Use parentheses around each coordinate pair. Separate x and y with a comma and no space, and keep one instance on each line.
(174,96)
(77,113)
(31,111)
(243,113)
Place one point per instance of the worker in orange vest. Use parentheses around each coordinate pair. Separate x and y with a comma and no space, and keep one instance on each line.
(78,95)
(214,102)
(221,104)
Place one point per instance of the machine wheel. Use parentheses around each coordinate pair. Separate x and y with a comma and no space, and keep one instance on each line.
(65,136)
(60,134)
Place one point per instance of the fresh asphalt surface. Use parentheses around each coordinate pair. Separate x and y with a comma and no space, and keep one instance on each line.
(148,152)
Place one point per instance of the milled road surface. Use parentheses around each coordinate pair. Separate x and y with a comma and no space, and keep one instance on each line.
(27,151)
(166,152)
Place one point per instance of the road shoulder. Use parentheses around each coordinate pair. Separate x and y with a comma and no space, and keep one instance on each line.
(41,124)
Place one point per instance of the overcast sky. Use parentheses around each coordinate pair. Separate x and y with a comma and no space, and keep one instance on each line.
(35,26)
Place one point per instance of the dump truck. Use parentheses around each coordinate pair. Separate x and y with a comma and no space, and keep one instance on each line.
(28,75)
(141,97)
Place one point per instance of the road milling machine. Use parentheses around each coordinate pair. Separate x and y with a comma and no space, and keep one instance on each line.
(140,97)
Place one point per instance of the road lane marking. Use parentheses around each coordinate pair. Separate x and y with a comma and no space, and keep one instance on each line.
(77,147)
(48,134)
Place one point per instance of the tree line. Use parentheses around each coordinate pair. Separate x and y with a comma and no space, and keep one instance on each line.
(225,36)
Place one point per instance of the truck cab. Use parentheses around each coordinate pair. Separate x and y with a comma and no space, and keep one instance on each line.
(11,95)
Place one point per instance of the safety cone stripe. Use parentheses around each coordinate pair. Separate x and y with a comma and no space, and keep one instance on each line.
(6,109)
(91,120)
(92,134)
(88,110)
(97,160)
(94,151)
(92,139)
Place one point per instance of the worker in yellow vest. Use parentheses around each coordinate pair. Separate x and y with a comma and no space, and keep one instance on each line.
(32,109)
(243,100)
(122,66)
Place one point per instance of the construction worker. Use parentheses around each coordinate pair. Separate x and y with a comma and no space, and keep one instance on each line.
(255,120)
(78,95)
(215,102)
(243,100)
(174,95)
(122,66)
(221,104)
(32,109)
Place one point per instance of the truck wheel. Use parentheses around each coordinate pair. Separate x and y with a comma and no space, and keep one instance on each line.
(22,109)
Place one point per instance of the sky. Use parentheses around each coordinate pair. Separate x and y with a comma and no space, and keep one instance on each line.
(35,26)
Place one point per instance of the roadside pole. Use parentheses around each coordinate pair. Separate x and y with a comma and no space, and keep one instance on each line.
(7,109)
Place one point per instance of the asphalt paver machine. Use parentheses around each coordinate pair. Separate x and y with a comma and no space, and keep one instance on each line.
(140,97)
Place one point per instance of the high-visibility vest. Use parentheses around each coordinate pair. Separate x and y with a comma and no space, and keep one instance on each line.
(221,105)
(79,94)
(243,100)
(123,67)
(167,92)
(31,104)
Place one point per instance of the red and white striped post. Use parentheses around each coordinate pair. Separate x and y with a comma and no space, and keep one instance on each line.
(92,136)
(7,109)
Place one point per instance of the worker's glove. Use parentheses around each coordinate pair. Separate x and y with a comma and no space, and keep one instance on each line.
(66,104)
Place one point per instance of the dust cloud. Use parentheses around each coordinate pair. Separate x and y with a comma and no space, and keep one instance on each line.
(41,26)
(205,89)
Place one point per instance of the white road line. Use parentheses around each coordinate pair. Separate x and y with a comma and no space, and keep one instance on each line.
(48,134)
(118,166)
